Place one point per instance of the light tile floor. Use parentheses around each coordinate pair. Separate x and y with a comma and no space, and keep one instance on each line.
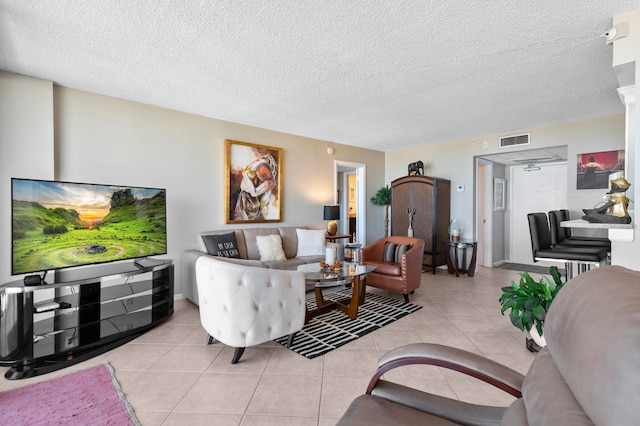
(171,377)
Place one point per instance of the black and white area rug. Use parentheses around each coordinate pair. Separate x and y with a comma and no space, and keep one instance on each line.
(334,329)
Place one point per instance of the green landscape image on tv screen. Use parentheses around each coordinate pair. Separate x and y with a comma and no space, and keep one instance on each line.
(61,224)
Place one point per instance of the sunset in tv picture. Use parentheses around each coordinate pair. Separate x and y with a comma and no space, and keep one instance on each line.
(62,224)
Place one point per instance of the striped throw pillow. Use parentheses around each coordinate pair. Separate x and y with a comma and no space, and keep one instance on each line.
(393,252)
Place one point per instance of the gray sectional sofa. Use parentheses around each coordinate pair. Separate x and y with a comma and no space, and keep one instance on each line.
(248,253)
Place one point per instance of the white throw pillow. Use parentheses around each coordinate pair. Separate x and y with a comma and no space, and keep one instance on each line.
(310,242)
(270,248)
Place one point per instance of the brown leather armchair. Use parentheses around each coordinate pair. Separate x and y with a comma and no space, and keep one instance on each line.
(402,276)
(586,375)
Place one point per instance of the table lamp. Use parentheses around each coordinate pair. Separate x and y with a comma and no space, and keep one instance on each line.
(332,213)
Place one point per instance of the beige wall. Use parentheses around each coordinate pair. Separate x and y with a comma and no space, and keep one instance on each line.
(455,161)
(100,139)
(26,145)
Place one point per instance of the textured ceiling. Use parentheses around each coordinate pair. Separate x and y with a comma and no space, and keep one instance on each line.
(376,74)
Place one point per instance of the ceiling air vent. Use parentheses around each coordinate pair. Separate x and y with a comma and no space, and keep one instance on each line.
(515,140)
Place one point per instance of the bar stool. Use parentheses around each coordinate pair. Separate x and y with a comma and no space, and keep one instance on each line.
(563,235)
(543,250)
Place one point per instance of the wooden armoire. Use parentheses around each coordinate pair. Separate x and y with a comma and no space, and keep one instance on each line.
(430,197)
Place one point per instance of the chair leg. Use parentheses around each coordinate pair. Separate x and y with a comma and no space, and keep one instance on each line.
(568,271)
(236,355)
(209,339)
(290,339)
(406,298)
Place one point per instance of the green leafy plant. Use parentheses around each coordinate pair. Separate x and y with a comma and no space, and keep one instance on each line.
(529,300)
(383,198)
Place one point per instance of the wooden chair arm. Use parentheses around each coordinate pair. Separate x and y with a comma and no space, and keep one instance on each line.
(455,359)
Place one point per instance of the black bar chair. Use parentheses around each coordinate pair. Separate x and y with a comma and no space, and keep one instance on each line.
(543,250)
(561,235)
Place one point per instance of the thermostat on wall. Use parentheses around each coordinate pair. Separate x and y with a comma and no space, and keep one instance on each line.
(460,188)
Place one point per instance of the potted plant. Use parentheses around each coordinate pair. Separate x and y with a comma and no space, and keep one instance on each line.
(383,198)
(529,301)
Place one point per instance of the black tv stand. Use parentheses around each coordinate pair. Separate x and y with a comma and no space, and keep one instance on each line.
(85,312)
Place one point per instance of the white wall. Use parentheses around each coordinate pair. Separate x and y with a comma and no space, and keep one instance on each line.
(100,139)
(455,161)
(26,145)
(626,64)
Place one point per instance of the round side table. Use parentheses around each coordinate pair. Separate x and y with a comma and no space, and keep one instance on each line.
(457,264)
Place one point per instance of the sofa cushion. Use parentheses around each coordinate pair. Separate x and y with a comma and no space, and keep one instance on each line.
(270,248)
(387,268)
(515,414)
(287,264)
(240,261)
(593,333)
(250,235)
(373,410)
(242,247)
(548,399)
(289,240)
(310,242)
(223,245)
(393,252)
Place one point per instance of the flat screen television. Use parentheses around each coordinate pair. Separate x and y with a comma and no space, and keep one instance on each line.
(58,225)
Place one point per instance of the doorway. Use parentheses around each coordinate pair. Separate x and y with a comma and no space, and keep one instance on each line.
(533,189)
(350,190)
(536,180)
(484,222)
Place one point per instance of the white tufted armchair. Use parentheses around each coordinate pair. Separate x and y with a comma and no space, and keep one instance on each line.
(244,306)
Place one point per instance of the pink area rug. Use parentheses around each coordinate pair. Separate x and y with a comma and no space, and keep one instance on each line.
(88,397)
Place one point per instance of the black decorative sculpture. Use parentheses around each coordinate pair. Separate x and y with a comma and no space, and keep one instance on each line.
(416,168)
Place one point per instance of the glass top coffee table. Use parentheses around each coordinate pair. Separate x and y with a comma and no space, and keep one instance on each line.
(323,278)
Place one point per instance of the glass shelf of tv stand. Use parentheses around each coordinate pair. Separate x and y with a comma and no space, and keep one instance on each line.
(99,308)
(85,274)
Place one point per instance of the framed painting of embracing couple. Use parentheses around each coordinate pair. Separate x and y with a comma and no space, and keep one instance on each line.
(253,183)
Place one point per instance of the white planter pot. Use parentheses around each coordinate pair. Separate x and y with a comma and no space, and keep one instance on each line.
(537,337)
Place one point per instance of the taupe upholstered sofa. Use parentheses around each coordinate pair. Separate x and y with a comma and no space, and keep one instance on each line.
(249,254)
(588,374)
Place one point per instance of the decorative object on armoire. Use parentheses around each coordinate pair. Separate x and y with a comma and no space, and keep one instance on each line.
(332,213)
(615,208)
(430,197)
(455,231)
(415,169)
(383,198)
(410,212)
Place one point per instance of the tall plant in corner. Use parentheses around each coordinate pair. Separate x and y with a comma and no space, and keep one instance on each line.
(529,300)
(383,198)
